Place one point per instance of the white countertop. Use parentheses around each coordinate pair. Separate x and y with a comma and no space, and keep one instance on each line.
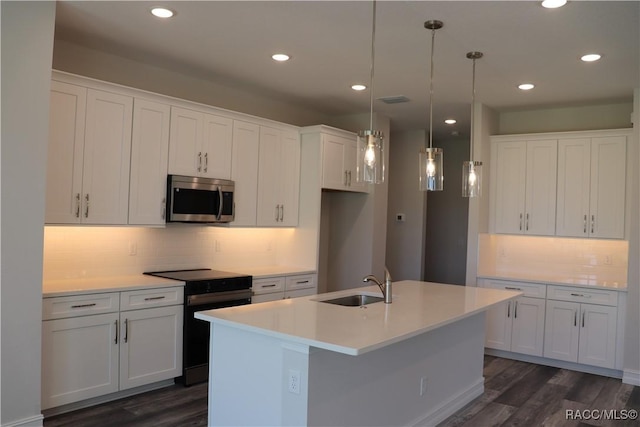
(270,271)
(93,285)
(417,307)
(582,281)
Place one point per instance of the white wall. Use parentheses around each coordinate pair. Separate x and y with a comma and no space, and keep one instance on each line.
(27,45)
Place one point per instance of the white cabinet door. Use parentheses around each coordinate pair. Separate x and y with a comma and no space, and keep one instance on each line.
(149,157)
(216,147)
(151,345)
(185,142)
(561,330)
(278,178)
(350,162)
(499,326)
(509,180)
(79,358)
(107,154)
(290,178)
(244,171)
(598,335)
(334,173)
(574,175)
(65,153)
(540,188)
(608,191)
(527,336)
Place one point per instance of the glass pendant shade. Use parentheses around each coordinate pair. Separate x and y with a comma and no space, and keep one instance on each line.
(370,157)
(471,179)
(431,177)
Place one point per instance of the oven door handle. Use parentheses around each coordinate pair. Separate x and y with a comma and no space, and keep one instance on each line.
(214,297)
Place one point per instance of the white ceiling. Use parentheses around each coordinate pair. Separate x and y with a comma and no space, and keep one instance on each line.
(330,45)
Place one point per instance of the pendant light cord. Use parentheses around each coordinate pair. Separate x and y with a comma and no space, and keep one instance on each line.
(433,38)
(373,44)
(473,101)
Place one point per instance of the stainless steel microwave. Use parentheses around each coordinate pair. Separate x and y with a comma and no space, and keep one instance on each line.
(197,199)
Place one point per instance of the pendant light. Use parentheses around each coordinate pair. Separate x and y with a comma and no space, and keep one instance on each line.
(431,176)
(370,149)
(472,170)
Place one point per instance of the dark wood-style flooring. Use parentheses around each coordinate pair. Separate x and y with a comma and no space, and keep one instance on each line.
(516,394)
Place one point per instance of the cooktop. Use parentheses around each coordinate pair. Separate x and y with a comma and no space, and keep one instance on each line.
(195,274)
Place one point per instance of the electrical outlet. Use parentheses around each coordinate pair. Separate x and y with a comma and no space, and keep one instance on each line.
(294,381)
(218,246)
(423,386)
(133,248)
(607,260)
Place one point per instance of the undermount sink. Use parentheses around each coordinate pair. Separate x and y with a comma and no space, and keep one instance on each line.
(354,300)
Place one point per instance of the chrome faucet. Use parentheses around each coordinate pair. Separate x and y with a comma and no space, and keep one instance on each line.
(384,288)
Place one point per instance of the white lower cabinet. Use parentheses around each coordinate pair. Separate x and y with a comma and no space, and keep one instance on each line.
(283,287)
(517,326)
(583,333)
(88,353)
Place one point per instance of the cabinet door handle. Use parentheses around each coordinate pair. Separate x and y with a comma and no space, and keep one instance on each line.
(583,313)
(206,162)
(163,207)
(584,225)
(520,226)
(93,304)
(349,178)
(512,288)
(155,298)
(509,309)
(527,223)
(86,206)
(345,178)
(277,213)
(281,213)
(116,340)
(515,310)
(126,330)
(199,161)
(593,223)
(77,205)
(575,318)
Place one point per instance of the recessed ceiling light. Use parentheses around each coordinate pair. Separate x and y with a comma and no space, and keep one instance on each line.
(590,57)
(450,121)
(280,57)
(358,87)
(526,86)
(162,12)
(552,4)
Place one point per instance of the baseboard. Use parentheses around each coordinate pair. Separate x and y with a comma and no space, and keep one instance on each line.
(631,377)
(606,372)
(451,406)
(35,421)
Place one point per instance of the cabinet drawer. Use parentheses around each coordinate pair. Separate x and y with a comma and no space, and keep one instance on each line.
(592,296)
(156,297)
(269,285)
(533,290)
(303,281)
(79,305)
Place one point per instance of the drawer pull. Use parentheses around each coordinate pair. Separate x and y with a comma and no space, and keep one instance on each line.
(273,285)
(93,304)
(512,289)
(301,282)
(154,298)
(581,295)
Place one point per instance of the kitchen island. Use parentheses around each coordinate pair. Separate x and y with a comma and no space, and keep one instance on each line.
(307,362)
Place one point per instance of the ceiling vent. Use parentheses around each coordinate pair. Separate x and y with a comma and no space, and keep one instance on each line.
(394,99)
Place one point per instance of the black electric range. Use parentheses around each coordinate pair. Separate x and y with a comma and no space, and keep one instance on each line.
(204,289)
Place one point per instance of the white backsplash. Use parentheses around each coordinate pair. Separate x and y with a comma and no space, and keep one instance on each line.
(551,258)
(71,252)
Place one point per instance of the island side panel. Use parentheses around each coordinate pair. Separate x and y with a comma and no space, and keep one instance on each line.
(383,387)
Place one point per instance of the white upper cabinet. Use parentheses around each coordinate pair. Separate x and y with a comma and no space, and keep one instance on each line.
(200,144)
(149,157)
(65,153)
(89,156)
(339,164)
(591,186)
(244,171)
(524,186)
(278,178)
